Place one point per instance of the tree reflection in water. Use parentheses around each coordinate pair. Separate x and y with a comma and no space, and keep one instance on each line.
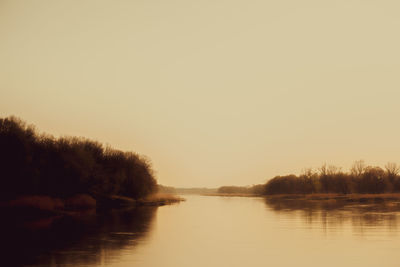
(333,214)
(80,240)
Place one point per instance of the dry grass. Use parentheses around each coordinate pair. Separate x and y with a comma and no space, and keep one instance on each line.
(347,197)
(159,199)
(232,195)
(321,197)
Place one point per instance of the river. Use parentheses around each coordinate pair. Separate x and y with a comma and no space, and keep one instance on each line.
(215,231)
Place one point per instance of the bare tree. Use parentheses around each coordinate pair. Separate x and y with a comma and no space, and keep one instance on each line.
(329,170)
(358,168)
(392,169)
(307,172)
(332,170)
(323,170)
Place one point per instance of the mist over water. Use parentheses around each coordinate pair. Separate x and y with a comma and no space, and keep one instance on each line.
(217,231)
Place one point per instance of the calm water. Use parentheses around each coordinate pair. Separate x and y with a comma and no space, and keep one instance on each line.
(215,231)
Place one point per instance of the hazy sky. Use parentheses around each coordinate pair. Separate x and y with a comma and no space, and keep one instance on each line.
(215,92)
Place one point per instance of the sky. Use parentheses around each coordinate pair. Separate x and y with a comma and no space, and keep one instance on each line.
(213,92)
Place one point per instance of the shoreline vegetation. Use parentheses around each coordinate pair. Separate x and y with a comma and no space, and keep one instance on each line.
(46,176)
(328,197)
(328,182)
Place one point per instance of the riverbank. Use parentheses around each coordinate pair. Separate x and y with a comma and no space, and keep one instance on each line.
(232,195)
(157,199)
(38,207)
(160,200)
(361,198)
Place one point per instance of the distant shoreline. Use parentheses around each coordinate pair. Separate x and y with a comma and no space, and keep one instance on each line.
(360,198)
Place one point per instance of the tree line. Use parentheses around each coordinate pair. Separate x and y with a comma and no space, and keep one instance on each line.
(40,164)
(331,179)
(360,179)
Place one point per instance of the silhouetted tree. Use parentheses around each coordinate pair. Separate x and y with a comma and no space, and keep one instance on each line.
(330,179)
(358,168)
(41,164)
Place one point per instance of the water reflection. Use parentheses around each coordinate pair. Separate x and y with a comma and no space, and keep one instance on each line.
(333,215)
(214,231)
(89,240)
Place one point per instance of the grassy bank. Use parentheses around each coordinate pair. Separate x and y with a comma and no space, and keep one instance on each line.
(160,199)
(233,195)
(40,208)
(357,198)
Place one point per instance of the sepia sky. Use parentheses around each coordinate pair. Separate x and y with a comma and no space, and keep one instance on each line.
(221,92)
